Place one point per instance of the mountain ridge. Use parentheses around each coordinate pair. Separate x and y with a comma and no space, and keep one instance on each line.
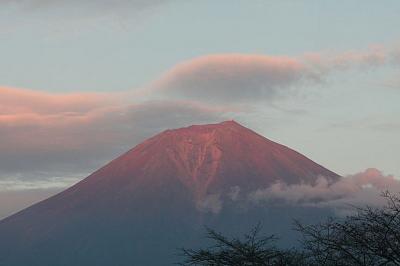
(152,193)
(205,158)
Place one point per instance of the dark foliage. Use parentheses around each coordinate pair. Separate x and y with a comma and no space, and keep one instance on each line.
(369,237)
(251,250)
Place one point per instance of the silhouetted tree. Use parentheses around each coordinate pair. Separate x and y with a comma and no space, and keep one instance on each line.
(253,249)
(369,237)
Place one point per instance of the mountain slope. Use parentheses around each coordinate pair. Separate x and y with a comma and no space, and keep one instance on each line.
(208,158)
(149,197)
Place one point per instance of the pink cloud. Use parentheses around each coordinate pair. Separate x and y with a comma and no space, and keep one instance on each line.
(42,130)
(29,101)
(39,128)
(227,77)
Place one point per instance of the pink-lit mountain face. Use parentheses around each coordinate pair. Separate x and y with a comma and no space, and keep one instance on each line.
(148,198)
(207,159)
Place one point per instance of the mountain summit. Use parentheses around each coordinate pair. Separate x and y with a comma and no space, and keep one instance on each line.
(209,158)
(150,195)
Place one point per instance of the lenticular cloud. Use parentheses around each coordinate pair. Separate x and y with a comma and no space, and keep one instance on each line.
(231,77)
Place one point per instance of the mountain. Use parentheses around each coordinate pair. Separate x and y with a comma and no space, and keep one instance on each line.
(156,197)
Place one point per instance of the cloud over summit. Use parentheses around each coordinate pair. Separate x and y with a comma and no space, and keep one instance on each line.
(250,78)
(47,130)
(50,134)
(231,77)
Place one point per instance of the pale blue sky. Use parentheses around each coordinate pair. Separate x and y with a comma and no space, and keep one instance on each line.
(64,47)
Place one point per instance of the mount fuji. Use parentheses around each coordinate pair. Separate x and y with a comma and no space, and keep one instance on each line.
(157,197)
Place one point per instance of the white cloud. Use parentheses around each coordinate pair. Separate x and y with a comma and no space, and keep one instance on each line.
(358,189)
(210,203)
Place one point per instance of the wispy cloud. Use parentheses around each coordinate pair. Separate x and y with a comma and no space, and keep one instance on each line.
(51,18)
(231,77)
(95,6)
(210,203)
(245,78)
(46,132)
(358,189)
(58,132)
(15,184)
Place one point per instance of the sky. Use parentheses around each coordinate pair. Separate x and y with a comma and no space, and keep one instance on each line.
(84,81)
